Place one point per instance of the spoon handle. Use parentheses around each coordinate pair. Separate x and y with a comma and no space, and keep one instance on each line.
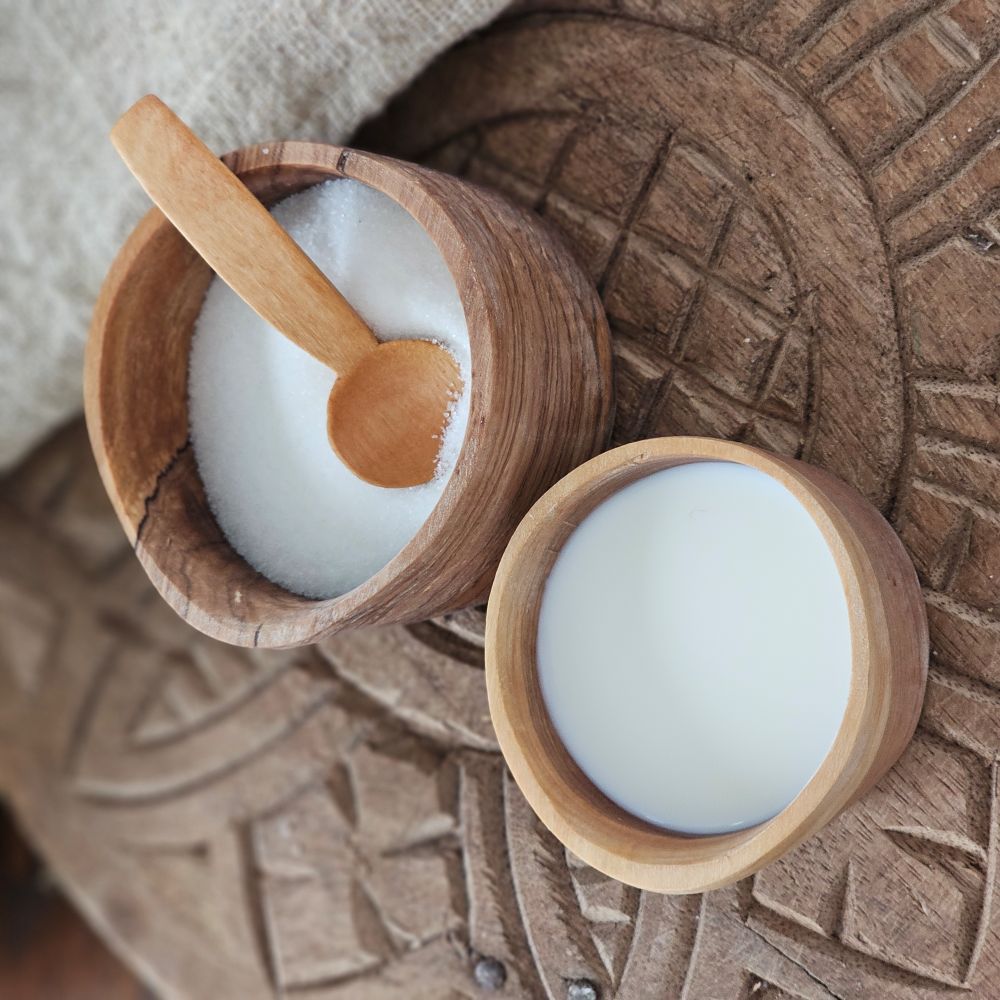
(236,235)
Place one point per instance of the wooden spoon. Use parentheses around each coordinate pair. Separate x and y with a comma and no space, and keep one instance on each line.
(388,407)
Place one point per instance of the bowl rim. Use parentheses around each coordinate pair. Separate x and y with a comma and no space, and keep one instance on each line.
(309,619)
(726,857)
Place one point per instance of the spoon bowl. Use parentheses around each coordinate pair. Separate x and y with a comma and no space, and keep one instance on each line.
(386,417)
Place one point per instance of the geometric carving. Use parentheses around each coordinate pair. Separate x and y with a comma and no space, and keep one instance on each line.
(729,294)
(908,879)
(358,870)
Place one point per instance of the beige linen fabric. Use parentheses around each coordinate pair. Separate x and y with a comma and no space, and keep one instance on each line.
(238,71)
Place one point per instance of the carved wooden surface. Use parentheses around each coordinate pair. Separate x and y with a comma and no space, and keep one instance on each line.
(791,209)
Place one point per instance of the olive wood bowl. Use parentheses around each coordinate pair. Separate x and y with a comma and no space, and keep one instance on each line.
(540,402)
(888,674)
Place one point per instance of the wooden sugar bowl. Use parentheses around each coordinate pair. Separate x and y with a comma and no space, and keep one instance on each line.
(540,402)
(888,669)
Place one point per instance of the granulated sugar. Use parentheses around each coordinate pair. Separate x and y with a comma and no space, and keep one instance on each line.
(257,409)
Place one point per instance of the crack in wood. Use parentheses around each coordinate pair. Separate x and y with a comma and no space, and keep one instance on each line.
(154,494)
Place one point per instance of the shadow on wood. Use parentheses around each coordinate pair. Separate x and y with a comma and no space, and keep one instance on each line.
(47,952)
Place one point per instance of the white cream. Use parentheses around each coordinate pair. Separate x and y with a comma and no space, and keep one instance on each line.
(257,410)
(694,647)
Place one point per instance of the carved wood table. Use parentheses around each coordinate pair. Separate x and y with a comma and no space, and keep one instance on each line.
(791,210)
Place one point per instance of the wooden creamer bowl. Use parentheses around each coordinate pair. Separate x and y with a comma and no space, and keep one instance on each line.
(540,402)
(888,673)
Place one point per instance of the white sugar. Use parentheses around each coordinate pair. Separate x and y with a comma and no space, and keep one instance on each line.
(257,408)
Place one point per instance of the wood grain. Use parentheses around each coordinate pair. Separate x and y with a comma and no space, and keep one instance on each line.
(888,627)
(539,402)
(336,821)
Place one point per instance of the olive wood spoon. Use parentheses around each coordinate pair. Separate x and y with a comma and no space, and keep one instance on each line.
(388,406)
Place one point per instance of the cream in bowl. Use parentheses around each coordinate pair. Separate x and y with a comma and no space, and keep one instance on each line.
(694,647)
(697,654)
